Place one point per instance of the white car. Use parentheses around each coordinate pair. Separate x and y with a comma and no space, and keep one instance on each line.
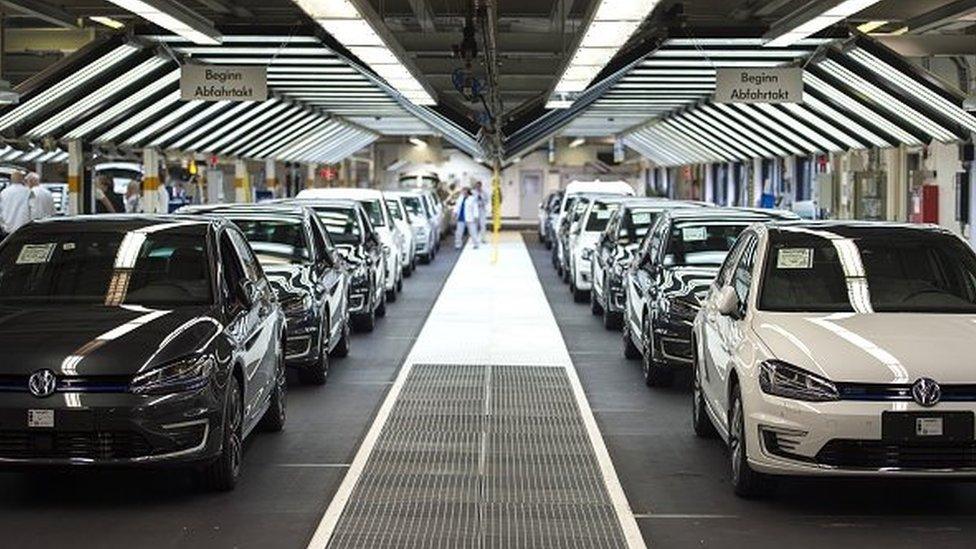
(379,215)
(583,241)
(425,229)
(840,349)
(401,218)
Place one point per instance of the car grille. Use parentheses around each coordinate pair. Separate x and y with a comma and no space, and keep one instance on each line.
(298,346)
(877,454)
(99,445)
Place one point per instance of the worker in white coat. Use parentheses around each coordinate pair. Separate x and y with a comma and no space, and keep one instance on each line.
(467,215)
(485,206)
(41,203)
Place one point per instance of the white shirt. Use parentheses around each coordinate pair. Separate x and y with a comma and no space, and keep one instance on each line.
(14,207)
(472,209)
(41,203)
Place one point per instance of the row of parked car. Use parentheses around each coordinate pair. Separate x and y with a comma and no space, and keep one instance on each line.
(150,340)
(814,348)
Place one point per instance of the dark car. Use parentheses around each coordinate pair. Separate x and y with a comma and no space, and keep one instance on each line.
(352,233)
(309,277)
(137,340)
(615,251)
(676,264)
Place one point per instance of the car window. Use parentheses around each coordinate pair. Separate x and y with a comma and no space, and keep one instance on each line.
(274,240)
(724,277)
(742,277)
(232,266)
(341,224)
(252,269)
(599,216)
(111,267)
(414,206)
(701,242)
(394,206)
(374,210)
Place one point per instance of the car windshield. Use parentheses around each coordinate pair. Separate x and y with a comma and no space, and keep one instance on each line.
(341,224)
(275,241)
(394,207)
(599,216)
(414,205)
(636,224)
(701,243)
(928,272)
(570,201)
(150,266)
(374,210)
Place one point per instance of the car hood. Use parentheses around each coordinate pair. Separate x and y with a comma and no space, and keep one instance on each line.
(354,255)
(624,255)
(684,282)
(289,280)
(587,240)
(873,348)
(98,340)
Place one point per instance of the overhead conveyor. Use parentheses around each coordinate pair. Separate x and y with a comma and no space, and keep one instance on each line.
(857,94)
(123,93)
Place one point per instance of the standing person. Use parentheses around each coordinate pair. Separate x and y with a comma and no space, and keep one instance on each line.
(133,197)
(485,206)
(466,214)
(14,204)
(41,200)
(106,199)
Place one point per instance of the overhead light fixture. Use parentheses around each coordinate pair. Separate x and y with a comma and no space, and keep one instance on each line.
(344,21)
(559,104)
(175,18)
(418,142)
(614,22)
(108,22)
(871,26)
(812,20)
(577,142)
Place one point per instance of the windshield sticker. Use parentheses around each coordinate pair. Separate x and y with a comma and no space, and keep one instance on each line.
(68,246)
(795,258)
(694,234)
(604,214)
(641,218)
(32,254)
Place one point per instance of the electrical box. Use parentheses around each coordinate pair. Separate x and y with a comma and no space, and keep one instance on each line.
(925,204)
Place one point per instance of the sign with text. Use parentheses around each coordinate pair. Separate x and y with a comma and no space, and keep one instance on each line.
(223,83)
(775,85)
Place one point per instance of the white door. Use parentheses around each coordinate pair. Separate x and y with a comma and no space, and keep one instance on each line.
(530,194)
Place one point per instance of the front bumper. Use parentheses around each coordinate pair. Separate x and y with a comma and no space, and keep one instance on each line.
(672,339)
(844,438)
(111,429)
(303,335)
(584,275)
(614,296)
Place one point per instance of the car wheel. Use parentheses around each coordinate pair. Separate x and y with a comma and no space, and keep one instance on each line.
(595,306)
(425,259)
(342,347)
(222,473)
(317,373)
(656,373)
(745,482)
(381,310)
(700,420)
(274,417)
(399,284)
(365,322)
(408,270)
(580,296)
(631,351)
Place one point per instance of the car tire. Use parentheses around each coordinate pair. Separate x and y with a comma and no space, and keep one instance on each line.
(408,270)
(746,483)
(595,306)
(656,373)
(399,284)
(342,346)
(631,352)
(317,373)
(700,420)
(612,320)
(365,322)
(381,310)
(222,473)
(274,417)
(580,296)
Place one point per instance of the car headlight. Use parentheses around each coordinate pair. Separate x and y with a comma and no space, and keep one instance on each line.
(296,304)
(587,254)
(360,276)
(779,378)
(619,267)
(184,375)
(683,307)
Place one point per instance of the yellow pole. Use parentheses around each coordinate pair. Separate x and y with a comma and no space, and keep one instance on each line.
(75,174)
(496,211)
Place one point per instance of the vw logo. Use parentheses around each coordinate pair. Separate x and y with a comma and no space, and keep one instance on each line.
(926,392)
(42,383)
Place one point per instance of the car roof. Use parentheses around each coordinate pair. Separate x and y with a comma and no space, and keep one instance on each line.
(610,187)
(122,222)
(856,229)
(268,210)
(714,215)
(313,203)
(342,192)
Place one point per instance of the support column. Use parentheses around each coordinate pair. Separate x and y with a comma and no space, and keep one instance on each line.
(310,177)
(150,181)
(76,170)
(270,177)
(240,181)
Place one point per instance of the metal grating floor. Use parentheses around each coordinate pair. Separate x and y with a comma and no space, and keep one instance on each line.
(481,456)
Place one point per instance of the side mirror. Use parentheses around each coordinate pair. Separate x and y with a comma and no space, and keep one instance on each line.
(246,293)
(727,302)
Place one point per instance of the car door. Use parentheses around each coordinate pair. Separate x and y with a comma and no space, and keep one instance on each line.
(603,253)
(330,277)
(262,345)
(643,277)
(243,324)
(731,328)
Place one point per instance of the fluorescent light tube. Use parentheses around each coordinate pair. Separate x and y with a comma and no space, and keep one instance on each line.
(812,22)
(108,22)
(174,18)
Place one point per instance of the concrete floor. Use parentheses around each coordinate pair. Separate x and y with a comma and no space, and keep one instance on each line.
(677,484)
(288,478)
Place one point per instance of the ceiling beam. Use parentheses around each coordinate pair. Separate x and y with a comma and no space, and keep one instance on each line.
(43,11)
(425,17)
(941,16)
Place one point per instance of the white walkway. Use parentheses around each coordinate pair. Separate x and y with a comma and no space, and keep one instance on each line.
(488,314)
